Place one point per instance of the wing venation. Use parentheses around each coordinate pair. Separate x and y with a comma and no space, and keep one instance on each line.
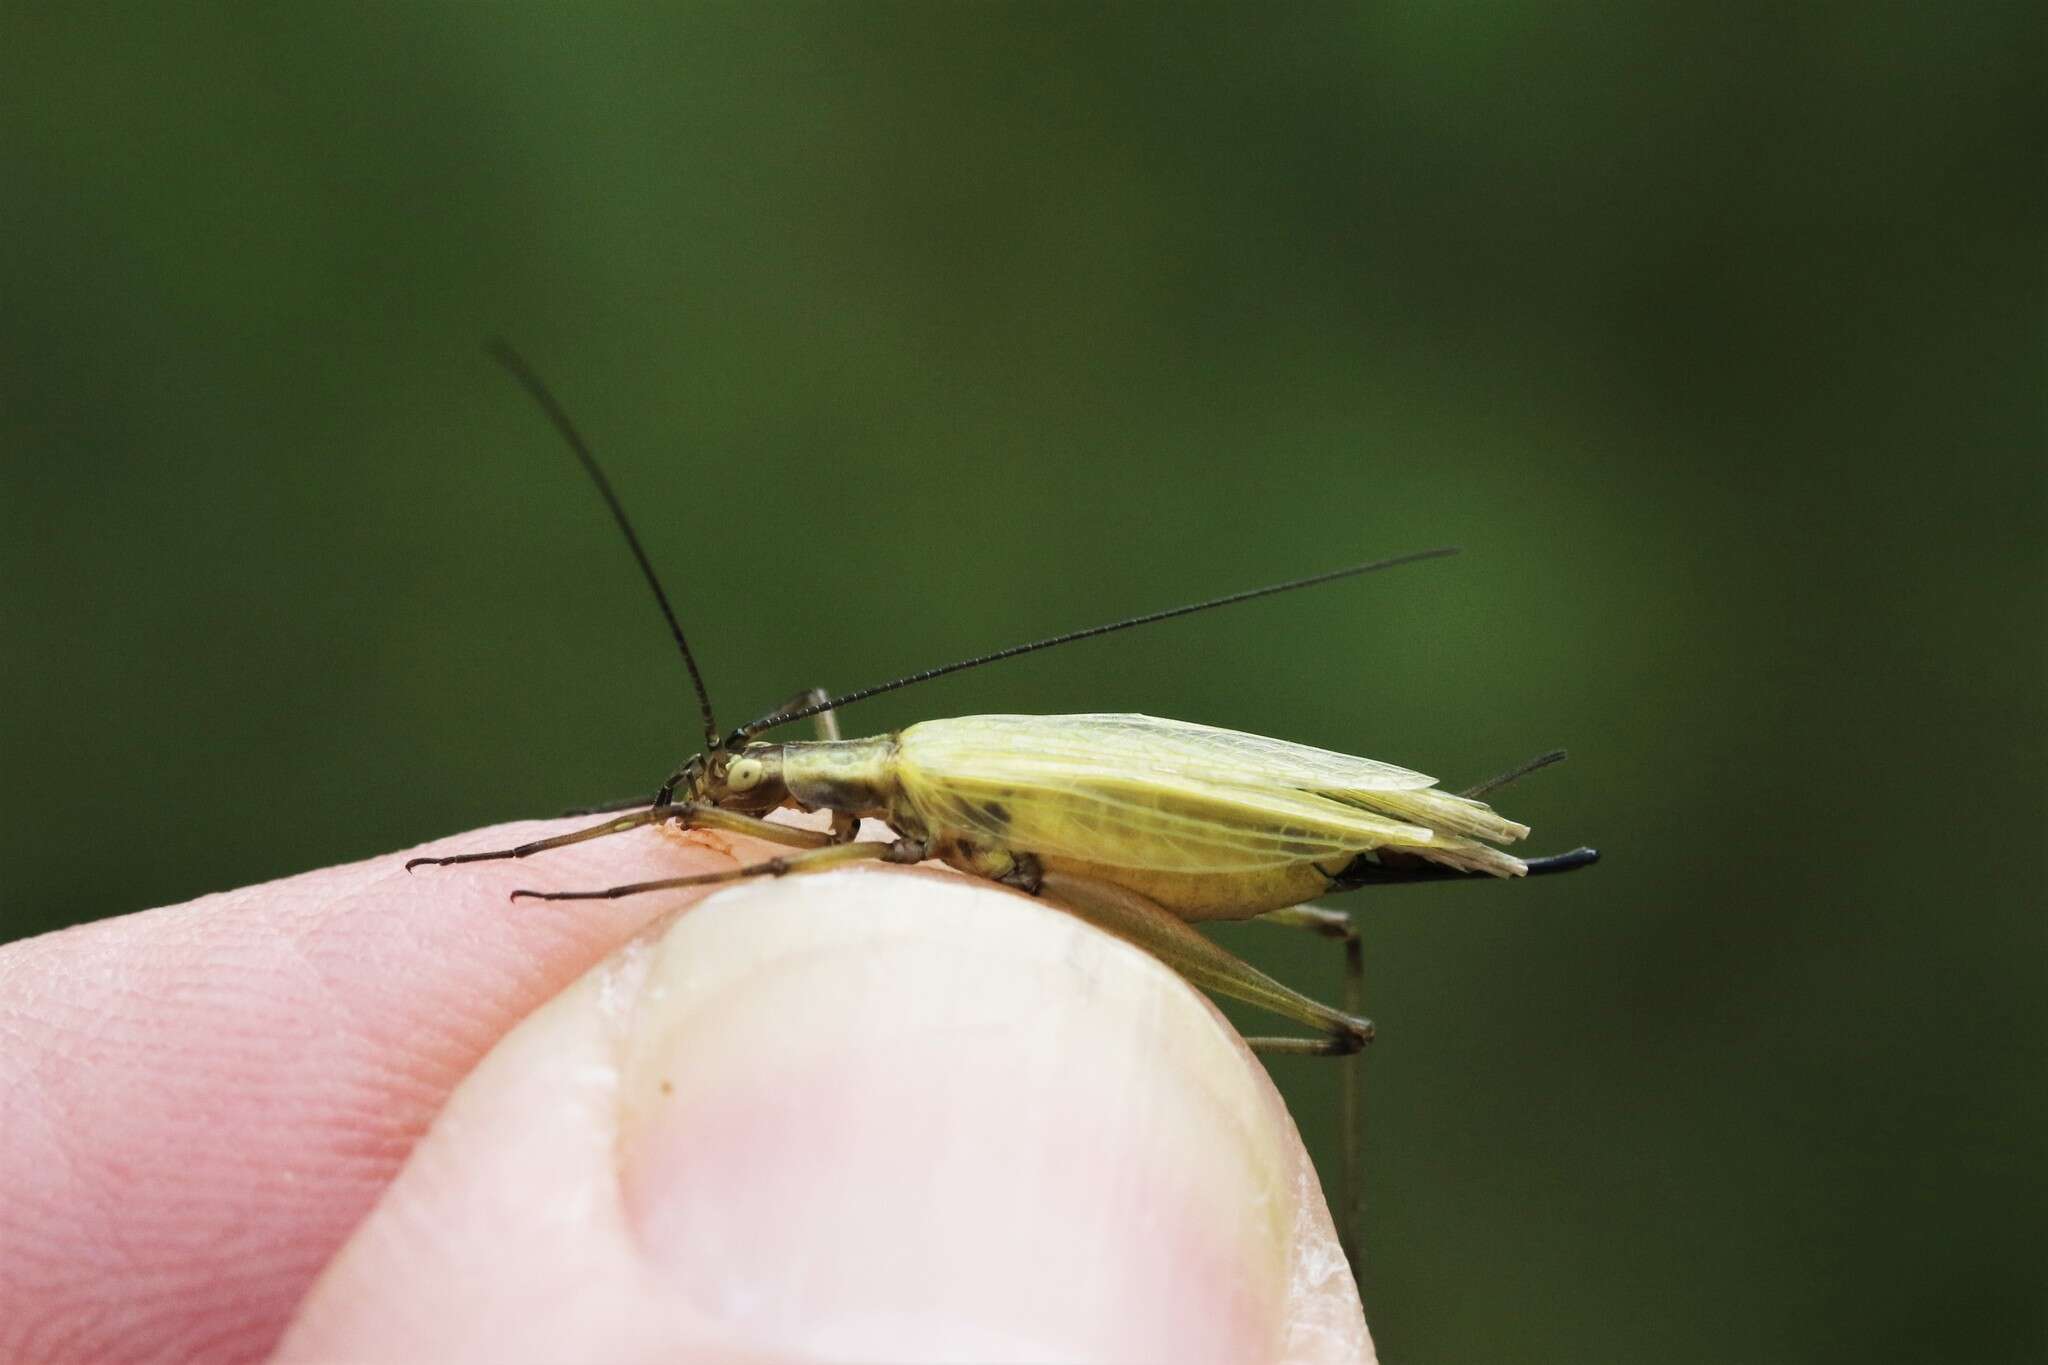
(1135,791)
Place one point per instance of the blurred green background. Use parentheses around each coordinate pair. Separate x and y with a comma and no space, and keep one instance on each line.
(1715,335)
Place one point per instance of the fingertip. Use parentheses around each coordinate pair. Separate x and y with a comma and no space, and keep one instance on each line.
(893,1114)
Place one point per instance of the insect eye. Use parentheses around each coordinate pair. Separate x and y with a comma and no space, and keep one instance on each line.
(744,774)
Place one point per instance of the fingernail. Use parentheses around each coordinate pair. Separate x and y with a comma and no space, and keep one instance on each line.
(898,1116)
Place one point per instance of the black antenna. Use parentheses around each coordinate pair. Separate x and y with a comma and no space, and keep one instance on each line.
(502,352)
(766,722)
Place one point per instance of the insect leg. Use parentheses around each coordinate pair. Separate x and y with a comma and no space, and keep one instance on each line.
(1172,941)
(610,807)
(527,850)
(700,817)
(810,860)
(828,721)
(1337,925)
(1132,917)
(1331,924)
(753,826)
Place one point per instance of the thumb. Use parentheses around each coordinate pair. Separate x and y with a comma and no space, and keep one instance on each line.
(868,1115)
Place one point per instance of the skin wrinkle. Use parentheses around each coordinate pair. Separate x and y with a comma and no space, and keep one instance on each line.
(284,1045)
(93,1040)
(414,1058)
(351,1024)
(77,1186)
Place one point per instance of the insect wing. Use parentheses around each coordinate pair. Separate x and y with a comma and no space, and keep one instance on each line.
(1211,757)
(1147,744)
(1133,791)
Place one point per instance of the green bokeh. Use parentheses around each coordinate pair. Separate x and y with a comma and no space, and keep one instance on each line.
(1717,338)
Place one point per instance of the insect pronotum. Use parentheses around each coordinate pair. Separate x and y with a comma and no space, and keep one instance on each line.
(1139,825)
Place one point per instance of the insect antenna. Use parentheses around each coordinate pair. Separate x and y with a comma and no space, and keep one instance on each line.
(776,718)
(502,352)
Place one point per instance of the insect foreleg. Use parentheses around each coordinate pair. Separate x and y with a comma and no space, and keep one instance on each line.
(527,850)
(687,814)
(810,860)
(1132,917)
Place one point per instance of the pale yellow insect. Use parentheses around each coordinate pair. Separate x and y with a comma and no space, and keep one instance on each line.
(1139,825)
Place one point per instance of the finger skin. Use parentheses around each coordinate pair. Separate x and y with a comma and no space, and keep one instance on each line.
(200,1104)
(865,1116)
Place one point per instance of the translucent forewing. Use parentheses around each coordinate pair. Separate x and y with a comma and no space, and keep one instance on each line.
(1139,792)
(1117,741)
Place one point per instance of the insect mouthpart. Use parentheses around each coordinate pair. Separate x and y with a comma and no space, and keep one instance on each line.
(689,779)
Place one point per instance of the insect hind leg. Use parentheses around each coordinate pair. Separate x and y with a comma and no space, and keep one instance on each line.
(1336,925)
(1202,963)
(1331,924)
(1134,918)
(827,722)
